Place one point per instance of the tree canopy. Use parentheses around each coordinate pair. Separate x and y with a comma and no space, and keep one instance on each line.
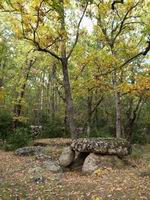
(76,67)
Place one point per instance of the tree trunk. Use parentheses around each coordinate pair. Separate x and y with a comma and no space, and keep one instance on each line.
(42,92)
(118,114)
(20,96)
(66,81)
(89,113)
(132,115)
(117,102)
(68,99)
(53,77)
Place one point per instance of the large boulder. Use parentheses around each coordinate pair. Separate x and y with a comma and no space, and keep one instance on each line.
(103,146)
(96,161)
(67,157)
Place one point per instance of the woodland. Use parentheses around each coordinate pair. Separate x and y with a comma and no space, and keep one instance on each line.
(74,69)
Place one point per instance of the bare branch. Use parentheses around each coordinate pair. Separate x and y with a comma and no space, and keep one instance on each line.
(78,29)
(82,69)
(97,104)
(123,21)
(115,2)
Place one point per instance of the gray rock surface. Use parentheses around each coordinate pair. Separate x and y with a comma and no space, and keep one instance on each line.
(52,166)
(96,161)
(27,151)
(42,157)
(67,157)
(103,146)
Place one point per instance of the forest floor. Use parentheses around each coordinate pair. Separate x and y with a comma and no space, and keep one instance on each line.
(16,179)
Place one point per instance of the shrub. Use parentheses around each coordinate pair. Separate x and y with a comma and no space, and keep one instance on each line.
(21,137)
(5,124)
(102,132)
(141,137)
(137,151)
(52,128)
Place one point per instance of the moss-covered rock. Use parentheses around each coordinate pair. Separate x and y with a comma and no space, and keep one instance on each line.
(103,146)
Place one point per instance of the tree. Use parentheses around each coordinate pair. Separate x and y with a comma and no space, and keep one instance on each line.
(114,31)
(45,24)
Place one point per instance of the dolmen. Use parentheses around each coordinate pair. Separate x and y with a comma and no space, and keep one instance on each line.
(94,153)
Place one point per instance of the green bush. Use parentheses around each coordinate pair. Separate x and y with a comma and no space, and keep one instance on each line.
(52,128)
(21,137)
(102,132)
(141,137)
(137,151)
(5,124)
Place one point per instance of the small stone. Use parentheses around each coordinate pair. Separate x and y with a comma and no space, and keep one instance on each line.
(38,179)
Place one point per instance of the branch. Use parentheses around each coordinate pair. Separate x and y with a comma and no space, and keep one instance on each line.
(147,49)
(130,60)
(61,95)
(47,51)
(33,40)
(115,2)
(78,75)
(93,110)
(144,53)
(97,104)
(36,43)
(123,21)
(77,33)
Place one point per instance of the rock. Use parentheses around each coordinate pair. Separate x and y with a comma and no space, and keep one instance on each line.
(36,174)
(27,151)
(38,179)
(90,164)
(103,146)
(35,170)
(52,166)
(67,157)
(96,161)
(42,157)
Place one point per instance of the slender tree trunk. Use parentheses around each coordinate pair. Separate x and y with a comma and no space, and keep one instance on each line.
(89,113)
(53,76)
(132,115)
(2,66)
(20,96)
(117,101)
(96,111)
(42,93)
(118,114)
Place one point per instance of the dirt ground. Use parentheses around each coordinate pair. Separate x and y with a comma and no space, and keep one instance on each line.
(16,179)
